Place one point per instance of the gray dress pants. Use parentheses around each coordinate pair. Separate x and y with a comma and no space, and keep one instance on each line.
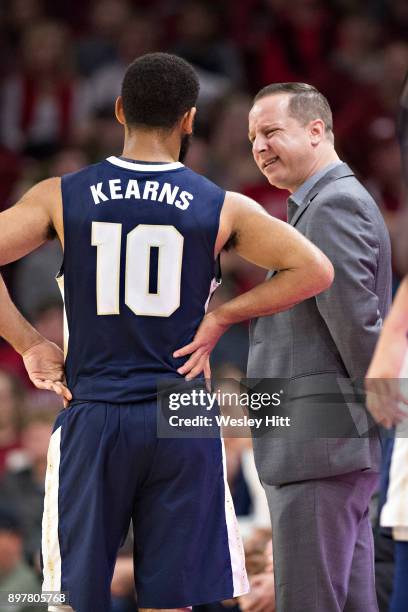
(323,544)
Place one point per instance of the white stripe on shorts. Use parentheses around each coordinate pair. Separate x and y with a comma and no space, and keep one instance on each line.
(236,549)
(49,542)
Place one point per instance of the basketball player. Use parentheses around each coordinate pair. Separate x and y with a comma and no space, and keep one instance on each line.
(141,234)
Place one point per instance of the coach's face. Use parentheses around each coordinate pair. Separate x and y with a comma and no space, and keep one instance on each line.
(283,148)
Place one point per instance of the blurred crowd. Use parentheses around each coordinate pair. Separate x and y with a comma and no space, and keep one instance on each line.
(61,72)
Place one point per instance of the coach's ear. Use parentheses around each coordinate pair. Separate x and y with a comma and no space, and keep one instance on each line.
(187,121)
(120,115)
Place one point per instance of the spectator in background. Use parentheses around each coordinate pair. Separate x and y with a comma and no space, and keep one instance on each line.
(97,47)
(15,575)
(358,41)
(395,16)
(19,15)
(354,60)
(371,111)
(201,41)
(198,156)
(11,400)
(139,35)
(102,136)
(384,176)
(23,483)
(44,101)
(297,42)
(231,161)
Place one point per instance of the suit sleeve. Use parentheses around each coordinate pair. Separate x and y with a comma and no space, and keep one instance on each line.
(342,229)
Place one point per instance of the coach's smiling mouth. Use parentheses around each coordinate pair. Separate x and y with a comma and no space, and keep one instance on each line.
(269,162)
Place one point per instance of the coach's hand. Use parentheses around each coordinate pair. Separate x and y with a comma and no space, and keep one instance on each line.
(44,363)
(209,332)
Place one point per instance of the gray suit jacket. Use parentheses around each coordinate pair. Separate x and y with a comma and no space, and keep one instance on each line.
(329,337)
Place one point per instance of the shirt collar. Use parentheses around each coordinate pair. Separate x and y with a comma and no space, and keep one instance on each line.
(299,195)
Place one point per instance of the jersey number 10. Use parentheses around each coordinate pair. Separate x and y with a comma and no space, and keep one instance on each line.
(107,238)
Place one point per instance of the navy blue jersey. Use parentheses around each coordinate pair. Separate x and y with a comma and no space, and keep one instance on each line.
(138,269)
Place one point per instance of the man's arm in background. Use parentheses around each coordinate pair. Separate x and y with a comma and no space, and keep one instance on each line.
(382,382)
(269,243)
(23,228)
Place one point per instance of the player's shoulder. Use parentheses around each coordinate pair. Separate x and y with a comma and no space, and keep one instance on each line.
(85,171)
(46,190)
(202,180)
(240,203)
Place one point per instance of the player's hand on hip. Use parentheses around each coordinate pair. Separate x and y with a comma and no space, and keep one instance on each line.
(207,336)
(44,363)
(384,397)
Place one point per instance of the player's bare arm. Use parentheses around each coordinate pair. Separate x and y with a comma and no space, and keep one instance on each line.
(304,271)
(32,221)
(382,381)
(23,228)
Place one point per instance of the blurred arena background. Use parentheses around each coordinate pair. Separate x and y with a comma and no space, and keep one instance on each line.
(62,65)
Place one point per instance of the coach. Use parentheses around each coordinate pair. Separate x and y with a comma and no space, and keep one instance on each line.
(319,489)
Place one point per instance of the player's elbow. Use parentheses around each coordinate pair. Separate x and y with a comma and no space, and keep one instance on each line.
(320,273)
(326,272)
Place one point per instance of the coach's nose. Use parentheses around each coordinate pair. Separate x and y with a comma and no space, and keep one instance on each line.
(259,144)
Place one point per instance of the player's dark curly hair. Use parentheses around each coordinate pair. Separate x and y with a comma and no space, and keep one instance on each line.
(157,89)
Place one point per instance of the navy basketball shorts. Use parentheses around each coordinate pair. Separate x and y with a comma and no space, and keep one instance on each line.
(107,467)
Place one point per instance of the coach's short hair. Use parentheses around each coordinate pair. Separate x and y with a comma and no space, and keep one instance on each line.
(305,104)
(157,89)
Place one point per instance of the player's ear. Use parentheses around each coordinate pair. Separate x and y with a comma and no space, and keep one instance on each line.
(120,115)
(187,122)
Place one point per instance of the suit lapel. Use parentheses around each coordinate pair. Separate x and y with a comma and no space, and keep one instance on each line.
(338,172)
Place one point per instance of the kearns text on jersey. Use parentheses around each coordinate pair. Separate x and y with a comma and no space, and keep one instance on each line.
(117,189)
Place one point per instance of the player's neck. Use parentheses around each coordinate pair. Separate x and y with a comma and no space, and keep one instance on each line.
(149,146)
